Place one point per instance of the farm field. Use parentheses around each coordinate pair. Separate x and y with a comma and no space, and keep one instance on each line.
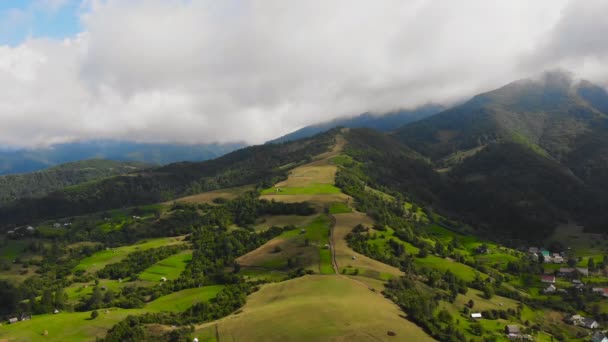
(292,244)
(266,222)
(208,197)
(169,268)
(100,259)
(315,308)
(77,326)
(339,208)
(344,254)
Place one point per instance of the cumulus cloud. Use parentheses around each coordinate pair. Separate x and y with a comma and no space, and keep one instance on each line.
(218,71)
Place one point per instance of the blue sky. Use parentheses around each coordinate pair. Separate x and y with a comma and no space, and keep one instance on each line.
(20,19)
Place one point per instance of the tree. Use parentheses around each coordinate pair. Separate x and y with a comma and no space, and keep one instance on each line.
(96,298)
(477,329)
(94,314)
(488,291)
(444,316)
(60,297)
(108,297)
(591,264)
(471,303)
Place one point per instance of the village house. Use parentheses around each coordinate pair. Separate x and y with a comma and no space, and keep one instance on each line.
(512,331)
(550,279)
(590,323)
(599,337)
(476,315)
(550,289)
(601,290)
(581,321)
(573,272)
(56,225)
(533,250)
(557,259)
(13,320)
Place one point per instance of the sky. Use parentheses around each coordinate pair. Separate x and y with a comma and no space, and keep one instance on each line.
(220,71)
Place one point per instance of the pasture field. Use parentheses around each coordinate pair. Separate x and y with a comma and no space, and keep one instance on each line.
(443,264)
(77,326)
(292,244)
(312,189)
(339,208)
(282,220)
(170,268)
(100,259)
(315,308)
(208,197)
(325,266)
(580,243)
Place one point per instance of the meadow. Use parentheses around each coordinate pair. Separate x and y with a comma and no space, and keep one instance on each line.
(100,259)
(78,326)
(169,268)
(314,308)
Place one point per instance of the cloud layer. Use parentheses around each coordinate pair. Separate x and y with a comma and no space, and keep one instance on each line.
(219,71)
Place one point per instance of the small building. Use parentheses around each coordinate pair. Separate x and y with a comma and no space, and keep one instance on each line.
(512,331)
(13,320)
(600,290)
(195,339)
(163,279)
(25,317)
(599,337)
(567,272)
(476,315)
(353,257)
(326,246)
(550,289)
(30,229)
(550,279)
(533,250)
(557,259)
(583,271)
(56,225)
(55,312)
(590,323)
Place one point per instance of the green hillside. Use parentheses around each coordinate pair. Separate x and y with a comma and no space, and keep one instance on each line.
(40,183)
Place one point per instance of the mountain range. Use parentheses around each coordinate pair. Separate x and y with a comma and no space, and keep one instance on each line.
(28,160)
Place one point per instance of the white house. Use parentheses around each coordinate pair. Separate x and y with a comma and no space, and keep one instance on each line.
(476,315)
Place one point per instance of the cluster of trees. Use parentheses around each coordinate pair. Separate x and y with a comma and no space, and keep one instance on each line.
(227,301)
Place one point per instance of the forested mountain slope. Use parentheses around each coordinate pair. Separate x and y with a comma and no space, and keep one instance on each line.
(251,165)
(35,184)
(548,115)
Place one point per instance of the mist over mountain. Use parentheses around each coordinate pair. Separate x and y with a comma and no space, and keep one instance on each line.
(382,122)
(28,160)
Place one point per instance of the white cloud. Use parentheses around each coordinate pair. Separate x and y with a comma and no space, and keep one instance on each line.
(203,71)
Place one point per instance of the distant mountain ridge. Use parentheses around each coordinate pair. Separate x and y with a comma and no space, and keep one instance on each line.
(380,122)
(22,161)
(40,183)
(547,114)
